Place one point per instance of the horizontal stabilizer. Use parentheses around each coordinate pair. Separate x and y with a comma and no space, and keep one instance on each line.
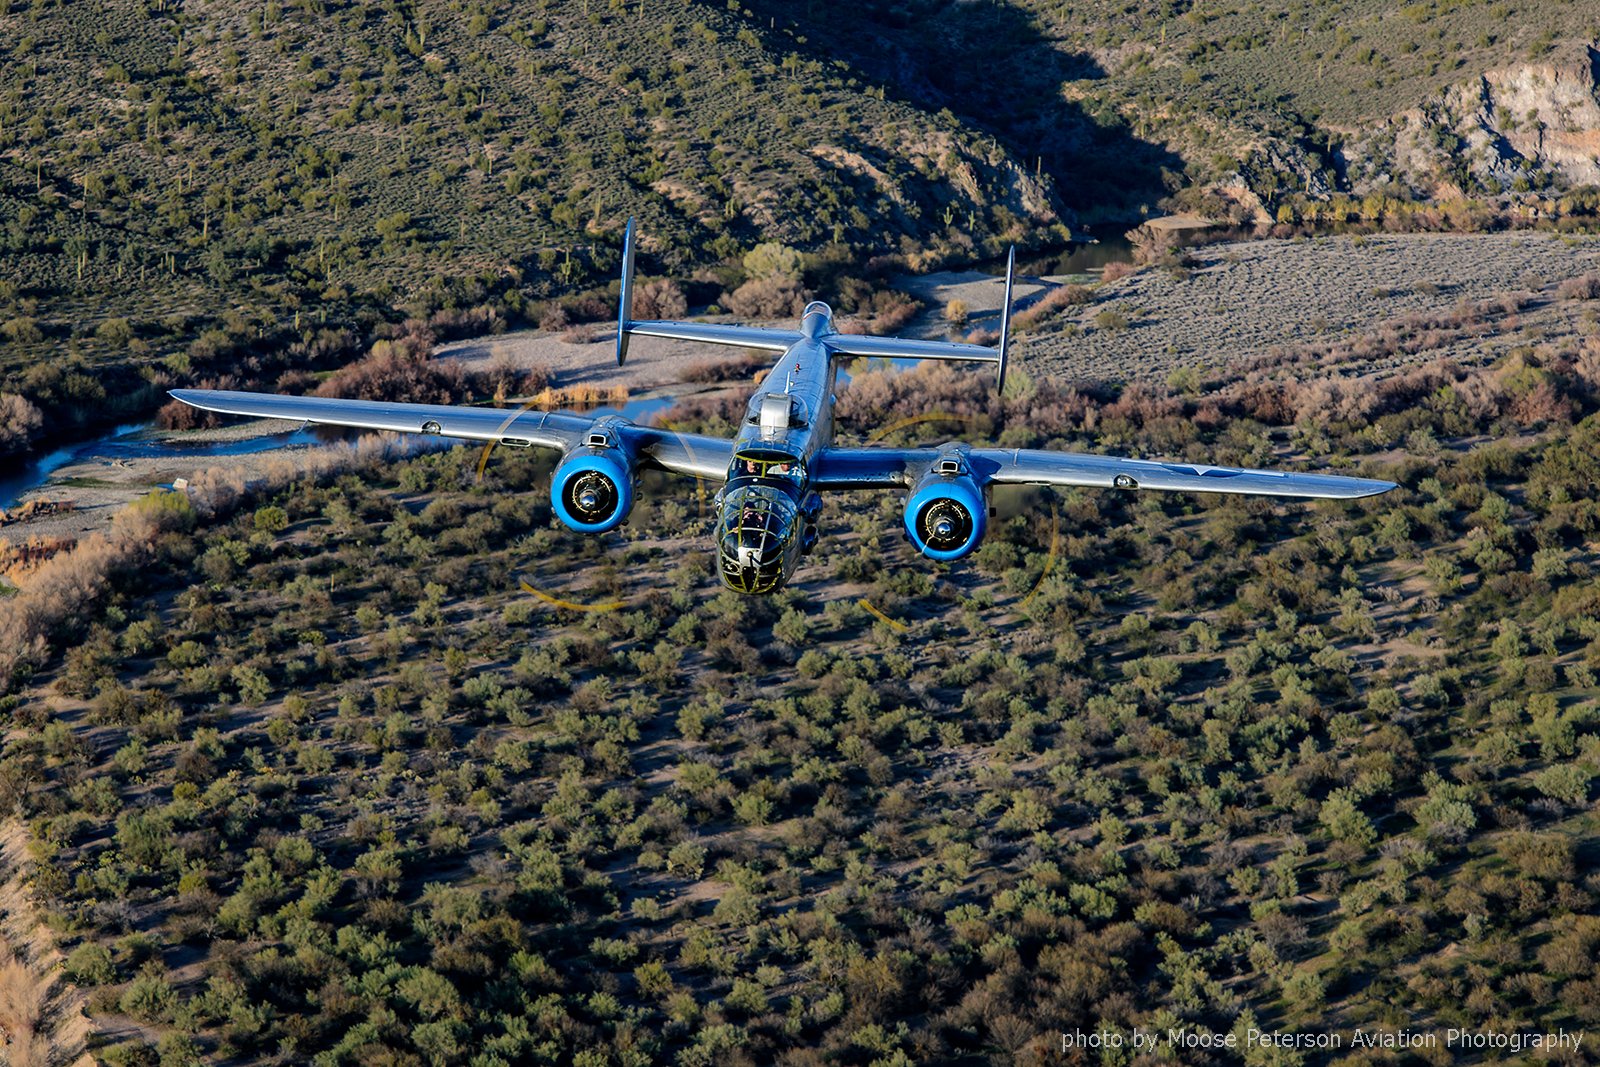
(713,333)
(704,332)
(844,344)
(854,344)
(915,348)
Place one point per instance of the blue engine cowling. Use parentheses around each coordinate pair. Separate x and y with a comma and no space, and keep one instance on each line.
(592,490)
(946,516)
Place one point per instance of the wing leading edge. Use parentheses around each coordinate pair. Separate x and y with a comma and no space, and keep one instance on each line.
(693,454)
(871,468)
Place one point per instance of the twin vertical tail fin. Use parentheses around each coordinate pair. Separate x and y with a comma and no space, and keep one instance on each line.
(840,343)
(625,298)
(1005,322)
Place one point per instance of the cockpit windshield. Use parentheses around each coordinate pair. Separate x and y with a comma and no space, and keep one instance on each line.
(769,465)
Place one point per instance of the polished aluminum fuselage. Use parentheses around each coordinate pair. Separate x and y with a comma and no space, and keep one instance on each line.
(806,373)
(766,520)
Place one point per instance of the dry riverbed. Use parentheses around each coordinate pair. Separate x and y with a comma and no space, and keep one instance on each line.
(1240,301)
(653,362)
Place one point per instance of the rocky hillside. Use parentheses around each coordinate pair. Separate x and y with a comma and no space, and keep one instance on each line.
(211,189)
(254,173)
(1127,103)
(1512,129)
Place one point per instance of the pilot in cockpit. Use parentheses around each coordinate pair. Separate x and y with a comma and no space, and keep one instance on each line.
(757,518)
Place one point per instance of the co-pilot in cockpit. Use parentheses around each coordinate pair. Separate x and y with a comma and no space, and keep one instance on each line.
(767,465)
(758,469)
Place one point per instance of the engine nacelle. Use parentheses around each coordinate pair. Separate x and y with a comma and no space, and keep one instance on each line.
(592,489)
(946,515)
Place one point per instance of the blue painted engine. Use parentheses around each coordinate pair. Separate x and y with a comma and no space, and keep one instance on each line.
(592,489)
(946,515)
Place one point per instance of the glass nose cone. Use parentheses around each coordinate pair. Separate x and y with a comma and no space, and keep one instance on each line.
(756,533)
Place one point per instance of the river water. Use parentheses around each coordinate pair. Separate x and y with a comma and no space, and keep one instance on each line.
(1080,257)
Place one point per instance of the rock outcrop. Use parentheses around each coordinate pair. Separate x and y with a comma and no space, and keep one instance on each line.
(1508,130)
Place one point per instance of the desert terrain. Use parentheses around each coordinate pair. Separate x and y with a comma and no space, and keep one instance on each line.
(1256,307)
(1239,304)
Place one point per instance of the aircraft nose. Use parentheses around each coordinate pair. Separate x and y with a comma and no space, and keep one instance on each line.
(752,562)
(589,499)
(944,528)
(754,548)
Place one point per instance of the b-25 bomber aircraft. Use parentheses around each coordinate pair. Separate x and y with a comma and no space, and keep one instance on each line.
(783,457)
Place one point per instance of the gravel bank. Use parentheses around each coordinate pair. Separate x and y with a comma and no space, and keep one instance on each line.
(1240,300)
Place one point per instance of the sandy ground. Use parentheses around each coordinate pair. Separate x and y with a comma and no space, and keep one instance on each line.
(97,487)
(653,362)
(982,293)
(1242,299)
(35,999)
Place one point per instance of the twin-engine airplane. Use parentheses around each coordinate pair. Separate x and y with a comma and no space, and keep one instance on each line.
(783,455)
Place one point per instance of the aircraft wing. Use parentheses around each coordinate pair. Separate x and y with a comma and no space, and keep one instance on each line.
(869,468)
(692,454)
(1029,466)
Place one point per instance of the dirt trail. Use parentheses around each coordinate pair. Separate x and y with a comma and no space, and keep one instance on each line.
(41,1014)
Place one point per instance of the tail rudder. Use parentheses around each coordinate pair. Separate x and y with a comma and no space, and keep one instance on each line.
(625,298)
(1005,322)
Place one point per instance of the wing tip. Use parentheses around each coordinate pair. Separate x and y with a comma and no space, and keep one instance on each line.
(1367,487)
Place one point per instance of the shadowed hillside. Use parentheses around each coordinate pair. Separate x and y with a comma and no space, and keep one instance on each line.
(1271,104)
(186,188)
(995,68)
